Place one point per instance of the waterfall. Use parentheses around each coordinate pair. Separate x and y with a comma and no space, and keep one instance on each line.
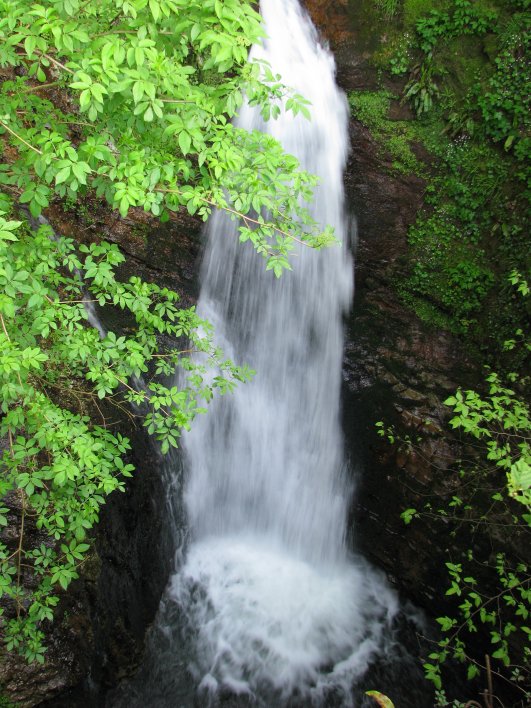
(274,602)
(268,606)
(267,460)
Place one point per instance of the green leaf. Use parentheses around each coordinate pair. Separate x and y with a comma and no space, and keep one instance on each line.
(7,235)
(155,9)
(408,515)
(185,142)
(84,99)
(29,44)
(62,175)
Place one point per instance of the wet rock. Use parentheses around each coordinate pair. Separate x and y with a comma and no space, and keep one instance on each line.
(70,643)
(164,253)
(409,394)
(396,369)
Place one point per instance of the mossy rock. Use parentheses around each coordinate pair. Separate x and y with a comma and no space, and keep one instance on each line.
(462,62)
(394,136)
(413,10)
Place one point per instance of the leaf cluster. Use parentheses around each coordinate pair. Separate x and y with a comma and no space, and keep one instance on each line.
(58,467)
(502,421)
(143,93)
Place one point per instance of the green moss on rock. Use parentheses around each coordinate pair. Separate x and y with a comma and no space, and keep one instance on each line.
(394,137)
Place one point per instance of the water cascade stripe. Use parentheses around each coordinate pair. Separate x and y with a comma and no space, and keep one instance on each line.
(267,587)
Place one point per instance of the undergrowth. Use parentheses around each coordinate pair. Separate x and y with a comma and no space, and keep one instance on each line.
(465,69)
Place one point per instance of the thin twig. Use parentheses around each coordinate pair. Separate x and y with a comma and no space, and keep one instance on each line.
(19,550)
(39,87)
(488,697)
(4,327)
(57,63)
(31,147)
(236,213)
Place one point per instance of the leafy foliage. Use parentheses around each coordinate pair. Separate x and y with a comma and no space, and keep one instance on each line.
(58,466)
(147,90)
(491,598)
(500,423)
(471,235)
(496,104)
(502,420)
(130,101)
(463,18)
(421,89)
(504,104)
(504,617)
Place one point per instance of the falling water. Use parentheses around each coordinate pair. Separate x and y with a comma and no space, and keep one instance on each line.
(267,603)
(276,605)
(267,462)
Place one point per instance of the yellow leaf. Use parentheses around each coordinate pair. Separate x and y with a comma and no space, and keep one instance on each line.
(380,699)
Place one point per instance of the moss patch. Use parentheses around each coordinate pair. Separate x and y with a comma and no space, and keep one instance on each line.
(464,71)
(393,136)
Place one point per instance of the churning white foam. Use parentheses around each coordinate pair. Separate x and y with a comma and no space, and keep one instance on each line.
(268,623)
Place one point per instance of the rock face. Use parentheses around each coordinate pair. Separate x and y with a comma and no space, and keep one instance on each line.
(396,369)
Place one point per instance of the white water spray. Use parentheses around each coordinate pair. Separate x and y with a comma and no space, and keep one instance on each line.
(276,605)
